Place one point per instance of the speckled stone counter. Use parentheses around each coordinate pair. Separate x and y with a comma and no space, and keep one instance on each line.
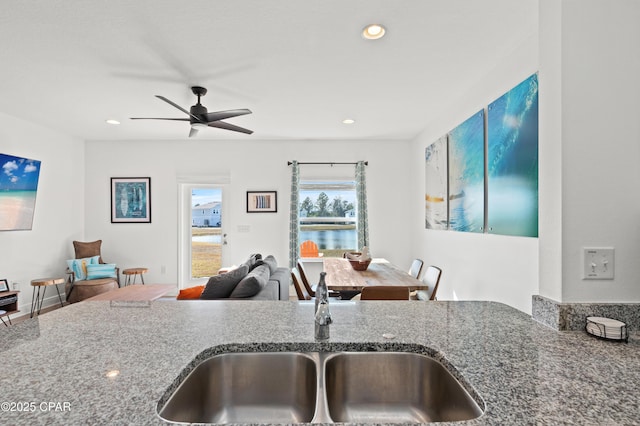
(524,372)
(573,316)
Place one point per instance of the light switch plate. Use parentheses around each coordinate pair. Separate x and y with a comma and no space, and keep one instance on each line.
(598,263)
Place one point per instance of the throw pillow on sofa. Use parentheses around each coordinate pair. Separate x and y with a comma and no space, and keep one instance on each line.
(252,261)
(220,286)
(270,261)
(190,293)
(253,283)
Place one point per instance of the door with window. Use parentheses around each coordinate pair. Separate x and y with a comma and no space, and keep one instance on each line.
(202,237)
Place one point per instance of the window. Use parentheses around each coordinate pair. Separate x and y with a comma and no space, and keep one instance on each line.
(328,216)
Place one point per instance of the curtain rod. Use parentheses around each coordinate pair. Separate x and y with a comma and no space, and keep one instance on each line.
(366,163)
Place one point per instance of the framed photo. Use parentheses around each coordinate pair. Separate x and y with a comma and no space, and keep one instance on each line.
(131,200)
(262,201)
(4,286)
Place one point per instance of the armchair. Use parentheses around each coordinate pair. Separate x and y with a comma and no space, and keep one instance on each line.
(89,275)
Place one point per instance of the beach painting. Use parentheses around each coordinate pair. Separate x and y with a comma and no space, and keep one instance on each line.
(466,175)
(18,188)
(436,207)
(512,162)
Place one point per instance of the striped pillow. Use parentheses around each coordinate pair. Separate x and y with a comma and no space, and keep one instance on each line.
(79,266)
(104,270)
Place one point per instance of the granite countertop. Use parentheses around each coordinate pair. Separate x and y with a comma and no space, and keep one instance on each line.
(524,372)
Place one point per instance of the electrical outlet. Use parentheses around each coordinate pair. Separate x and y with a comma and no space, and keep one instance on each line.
(163,269)
(598,263)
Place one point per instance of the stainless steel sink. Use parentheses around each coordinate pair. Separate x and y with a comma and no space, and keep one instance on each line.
(260,387)
(394,387)
(319,387)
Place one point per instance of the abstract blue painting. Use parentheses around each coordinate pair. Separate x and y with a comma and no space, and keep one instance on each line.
(435,195)
(466,175)
(512,161)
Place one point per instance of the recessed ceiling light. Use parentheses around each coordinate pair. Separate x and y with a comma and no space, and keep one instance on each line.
(348,121)
(373,32)
(112,121)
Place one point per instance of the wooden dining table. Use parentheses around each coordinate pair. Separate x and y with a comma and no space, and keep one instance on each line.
(342,277)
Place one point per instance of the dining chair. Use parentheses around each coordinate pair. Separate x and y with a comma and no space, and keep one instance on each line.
(307,284)
(416,268)
(432,279)
(301,292)
(384,292)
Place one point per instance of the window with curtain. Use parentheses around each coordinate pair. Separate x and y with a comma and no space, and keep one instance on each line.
(328,207)
(328,216)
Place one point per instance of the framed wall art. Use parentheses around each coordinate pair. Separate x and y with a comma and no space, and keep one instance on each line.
(513,161)
(466,175)
(131,200)
(4,285)
(262,201)
(18,187)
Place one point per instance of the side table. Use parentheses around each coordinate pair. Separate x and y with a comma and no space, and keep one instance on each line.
(36,299)
(135,272)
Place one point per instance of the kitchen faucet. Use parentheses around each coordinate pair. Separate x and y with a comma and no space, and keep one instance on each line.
(322,314)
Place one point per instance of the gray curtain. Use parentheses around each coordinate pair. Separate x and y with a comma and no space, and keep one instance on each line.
(294,221)
(361,197)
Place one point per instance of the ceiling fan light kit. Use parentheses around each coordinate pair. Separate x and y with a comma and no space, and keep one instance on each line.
(200,117)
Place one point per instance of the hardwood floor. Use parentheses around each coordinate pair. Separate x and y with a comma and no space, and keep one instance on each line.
(25,315)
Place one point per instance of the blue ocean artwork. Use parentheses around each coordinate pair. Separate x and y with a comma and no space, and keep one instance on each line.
(466,175)
(512,161)
(436,207)
(18,186)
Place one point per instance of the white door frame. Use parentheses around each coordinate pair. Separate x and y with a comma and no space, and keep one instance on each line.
(185,184)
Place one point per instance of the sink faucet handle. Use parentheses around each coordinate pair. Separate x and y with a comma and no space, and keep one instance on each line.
(323,316)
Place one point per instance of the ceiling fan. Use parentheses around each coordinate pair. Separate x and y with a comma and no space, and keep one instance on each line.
(200,118)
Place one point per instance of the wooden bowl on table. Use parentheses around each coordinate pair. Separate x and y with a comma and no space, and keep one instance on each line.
(356,264)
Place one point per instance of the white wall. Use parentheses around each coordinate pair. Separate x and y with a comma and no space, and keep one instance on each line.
(600,137)
(58,217)
(550,149)
(476,266)
(589,150)
(251,165)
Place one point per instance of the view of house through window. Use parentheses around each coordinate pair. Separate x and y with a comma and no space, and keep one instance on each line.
(206,235)
(328,216)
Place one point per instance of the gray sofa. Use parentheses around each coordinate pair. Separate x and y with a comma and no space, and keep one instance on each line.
(257,278)
(277,287)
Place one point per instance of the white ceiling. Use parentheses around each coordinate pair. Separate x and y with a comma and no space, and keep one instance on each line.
(301,66)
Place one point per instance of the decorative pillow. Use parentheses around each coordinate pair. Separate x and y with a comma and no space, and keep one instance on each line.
(87,249)
(79,266)
(220,286)
(253,283)
(190,293)
(101,270)
(252,261)
(270,261)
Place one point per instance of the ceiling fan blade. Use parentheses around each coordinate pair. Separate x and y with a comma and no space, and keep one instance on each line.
(177,106)
(227,126)
(152,118)
(222,115)
(193,132)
